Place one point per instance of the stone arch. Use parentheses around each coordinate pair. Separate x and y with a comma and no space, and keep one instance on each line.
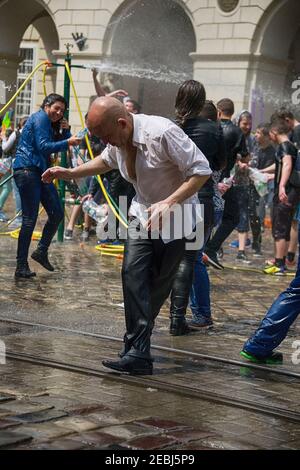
(274,59)
(14,20)
(153,39)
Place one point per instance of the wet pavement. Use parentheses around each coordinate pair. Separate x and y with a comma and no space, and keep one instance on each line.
(48,408)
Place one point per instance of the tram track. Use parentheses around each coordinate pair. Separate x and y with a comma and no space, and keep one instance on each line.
(162,386)
(180,352)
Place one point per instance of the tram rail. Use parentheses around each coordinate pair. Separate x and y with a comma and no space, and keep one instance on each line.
(154,383)
(181,352)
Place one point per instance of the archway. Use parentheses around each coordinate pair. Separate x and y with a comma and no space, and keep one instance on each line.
(276,57)
(14,21)
(150,42)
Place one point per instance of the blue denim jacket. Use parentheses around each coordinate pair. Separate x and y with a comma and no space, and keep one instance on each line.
(37,142)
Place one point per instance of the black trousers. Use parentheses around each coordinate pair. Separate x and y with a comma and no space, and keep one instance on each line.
(148,271)
(230,220)
(184,277)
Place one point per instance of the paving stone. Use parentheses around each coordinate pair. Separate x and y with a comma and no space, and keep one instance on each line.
(40,416)
(20,407)
(76,424)
(87,408)
(127,431)
(8,438)
(7,423)
(150,442)
(45,431)
(97,438)
(61,444)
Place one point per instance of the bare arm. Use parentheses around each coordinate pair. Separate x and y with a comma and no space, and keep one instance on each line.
(186,190)
(285,174)
(269,169)
(98,88)
(93,167)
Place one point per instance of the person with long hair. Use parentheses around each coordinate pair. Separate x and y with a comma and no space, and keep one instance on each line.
(208,137)
(44,133)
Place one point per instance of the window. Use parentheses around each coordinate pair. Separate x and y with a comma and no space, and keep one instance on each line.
(24,103)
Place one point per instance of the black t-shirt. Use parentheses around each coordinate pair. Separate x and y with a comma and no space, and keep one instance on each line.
(265,157)
(235,144)
(295,137)
(208,137)
(283,149)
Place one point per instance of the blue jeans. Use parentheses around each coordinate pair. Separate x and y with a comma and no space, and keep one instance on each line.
(17,198)
(200,291)
(33,192)
(274,327)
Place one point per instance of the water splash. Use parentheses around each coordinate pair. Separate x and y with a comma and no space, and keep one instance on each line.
(158,73)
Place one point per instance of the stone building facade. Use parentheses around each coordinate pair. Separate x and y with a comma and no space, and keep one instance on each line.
(243,49)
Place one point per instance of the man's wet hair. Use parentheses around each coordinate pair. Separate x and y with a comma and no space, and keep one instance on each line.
(209,111)
(264,127)
(226,106)
(280,126)
(189,102)
(282,113)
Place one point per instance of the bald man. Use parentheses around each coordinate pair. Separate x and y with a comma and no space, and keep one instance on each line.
(166,169)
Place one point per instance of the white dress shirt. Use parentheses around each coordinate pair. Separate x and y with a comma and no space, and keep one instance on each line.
(165,158)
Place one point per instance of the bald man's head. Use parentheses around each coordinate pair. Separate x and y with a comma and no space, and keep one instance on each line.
(109,120)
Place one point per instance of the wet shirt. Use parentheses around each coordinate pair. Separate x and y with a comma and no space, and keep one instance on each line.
(235,144)
(285,148)
(265,157)
(208,137)
(165,158)
(38,141)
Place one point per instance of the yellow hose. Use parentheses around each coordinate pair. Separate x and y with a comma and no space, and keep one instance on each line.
(22,86)
(90,149)
(44,78)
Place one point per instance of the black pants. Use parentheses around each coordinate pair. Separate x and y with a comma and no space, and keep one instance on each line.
(230,219)
(148,271)
(184,277)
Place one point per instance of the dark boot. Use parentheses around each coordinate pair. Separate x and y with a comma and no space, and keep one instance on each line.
(23,270)
(131,365)
(179,327)
(42,258)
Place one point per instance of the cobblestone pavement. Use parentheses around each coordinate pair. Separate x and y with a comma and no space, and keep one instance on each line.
(48,408)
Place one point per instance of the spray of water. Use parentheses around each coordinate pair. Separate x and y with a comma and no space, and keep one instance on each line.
(160,73)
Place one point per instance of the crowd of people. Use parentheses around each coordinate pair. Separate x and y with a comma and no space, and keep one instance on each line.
(202,159)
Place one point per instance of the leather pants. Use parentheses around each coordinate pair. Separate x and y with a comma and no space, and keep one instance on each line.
(148,272)
(184,277)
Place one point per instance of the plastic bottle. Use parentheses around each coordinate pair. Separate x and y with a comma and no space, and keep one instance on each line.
(95,211)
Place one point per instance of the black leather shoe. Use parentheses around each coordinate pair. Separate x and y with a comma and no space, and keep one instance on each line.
(179,327)
(23,271)
(130,365)
(42,258)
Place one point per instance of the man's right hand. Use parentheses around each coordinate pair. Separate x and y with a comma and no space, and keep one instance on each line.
(56,172)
